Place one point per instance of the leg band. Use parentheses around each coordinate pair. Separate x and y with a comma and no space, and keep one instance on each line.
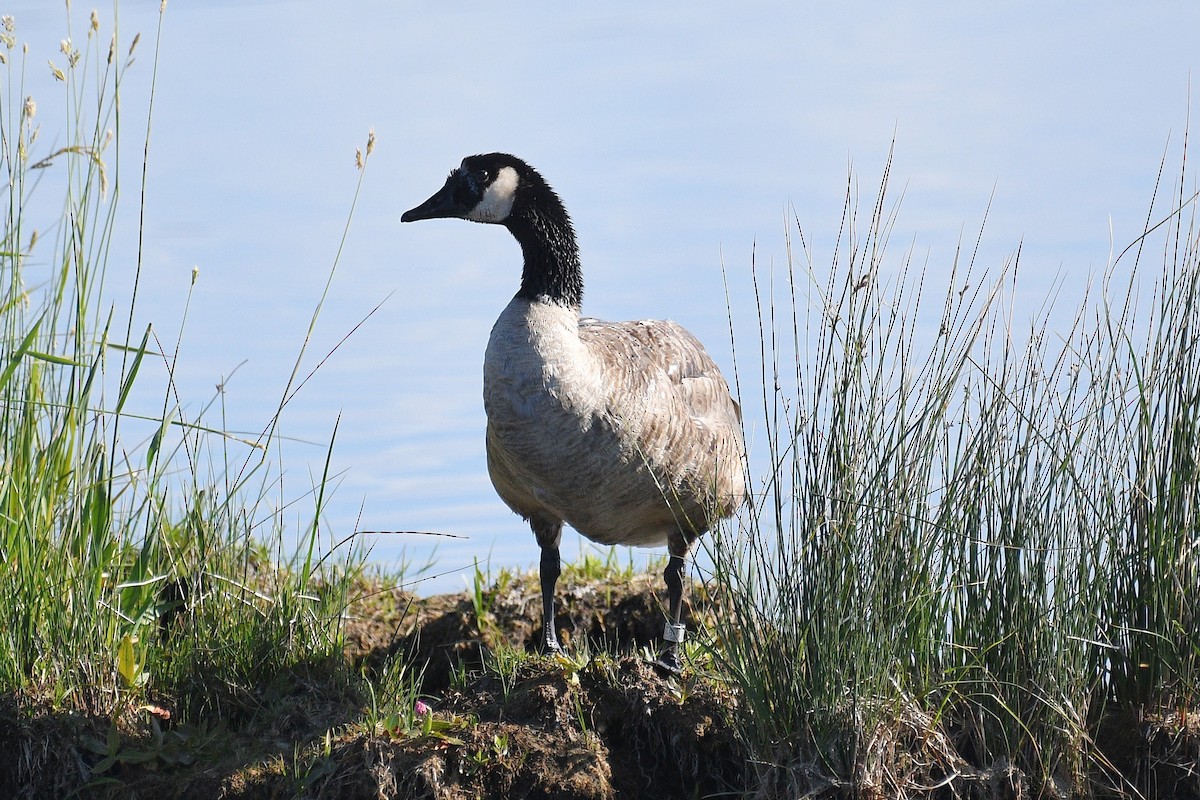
(674,632)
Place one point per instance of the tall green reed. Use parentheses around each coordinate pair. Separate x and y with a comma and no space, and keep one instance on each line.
(136,549)
(976,533)
(56,482)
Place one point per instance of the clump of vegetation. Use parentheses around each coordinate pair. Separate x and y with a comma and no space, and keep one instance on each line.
(132,567)
(976,552)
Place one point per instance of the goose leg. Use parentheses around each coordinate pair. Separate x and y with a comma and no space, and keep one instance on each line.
(681,550)
(549,534)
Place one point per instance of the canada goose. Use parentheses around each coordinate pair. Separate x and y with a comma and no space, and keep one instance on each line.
(625,430)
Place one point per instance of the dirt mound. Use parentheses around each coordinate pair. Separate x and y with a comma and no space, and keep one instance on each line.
(552,727)
(500,721)
(614,729)
(609,612)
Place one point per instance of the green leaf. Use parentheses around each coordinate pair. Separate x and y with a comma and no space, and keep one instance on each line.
(127,383)
(127,662)
(157,439)
(53,359)
(20,352)
(137,756)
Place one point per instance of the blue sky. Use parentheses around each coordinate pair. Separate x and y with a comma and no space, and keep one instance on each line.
(682,137)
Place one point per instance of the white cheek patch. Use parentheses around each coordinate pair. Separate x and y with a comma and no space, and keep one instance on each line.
(497,199)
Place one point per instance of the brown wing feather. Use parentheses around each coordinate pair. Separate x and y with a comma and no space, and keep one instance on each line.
(673,402)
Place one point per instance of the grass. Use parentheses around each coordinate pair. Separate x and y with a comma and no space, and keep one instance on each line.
(973,554)
(140,553)
(982,545)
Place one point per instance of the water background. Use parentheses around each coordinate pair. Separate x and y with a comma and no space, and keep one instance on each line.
(684,139)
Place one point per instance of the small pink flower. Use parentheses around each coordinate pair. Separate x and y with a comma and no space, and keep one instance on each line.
(421,709)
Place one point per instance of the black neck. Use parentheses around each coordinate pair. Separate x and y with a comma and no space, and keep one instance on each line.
(547,240)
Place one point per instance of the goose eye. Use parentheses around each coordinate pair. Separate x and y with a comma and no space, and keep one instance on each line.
(484,176)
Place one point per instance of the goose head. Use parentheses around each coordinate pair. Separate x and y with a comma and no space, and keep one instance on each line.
(504,190)
(483,188)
